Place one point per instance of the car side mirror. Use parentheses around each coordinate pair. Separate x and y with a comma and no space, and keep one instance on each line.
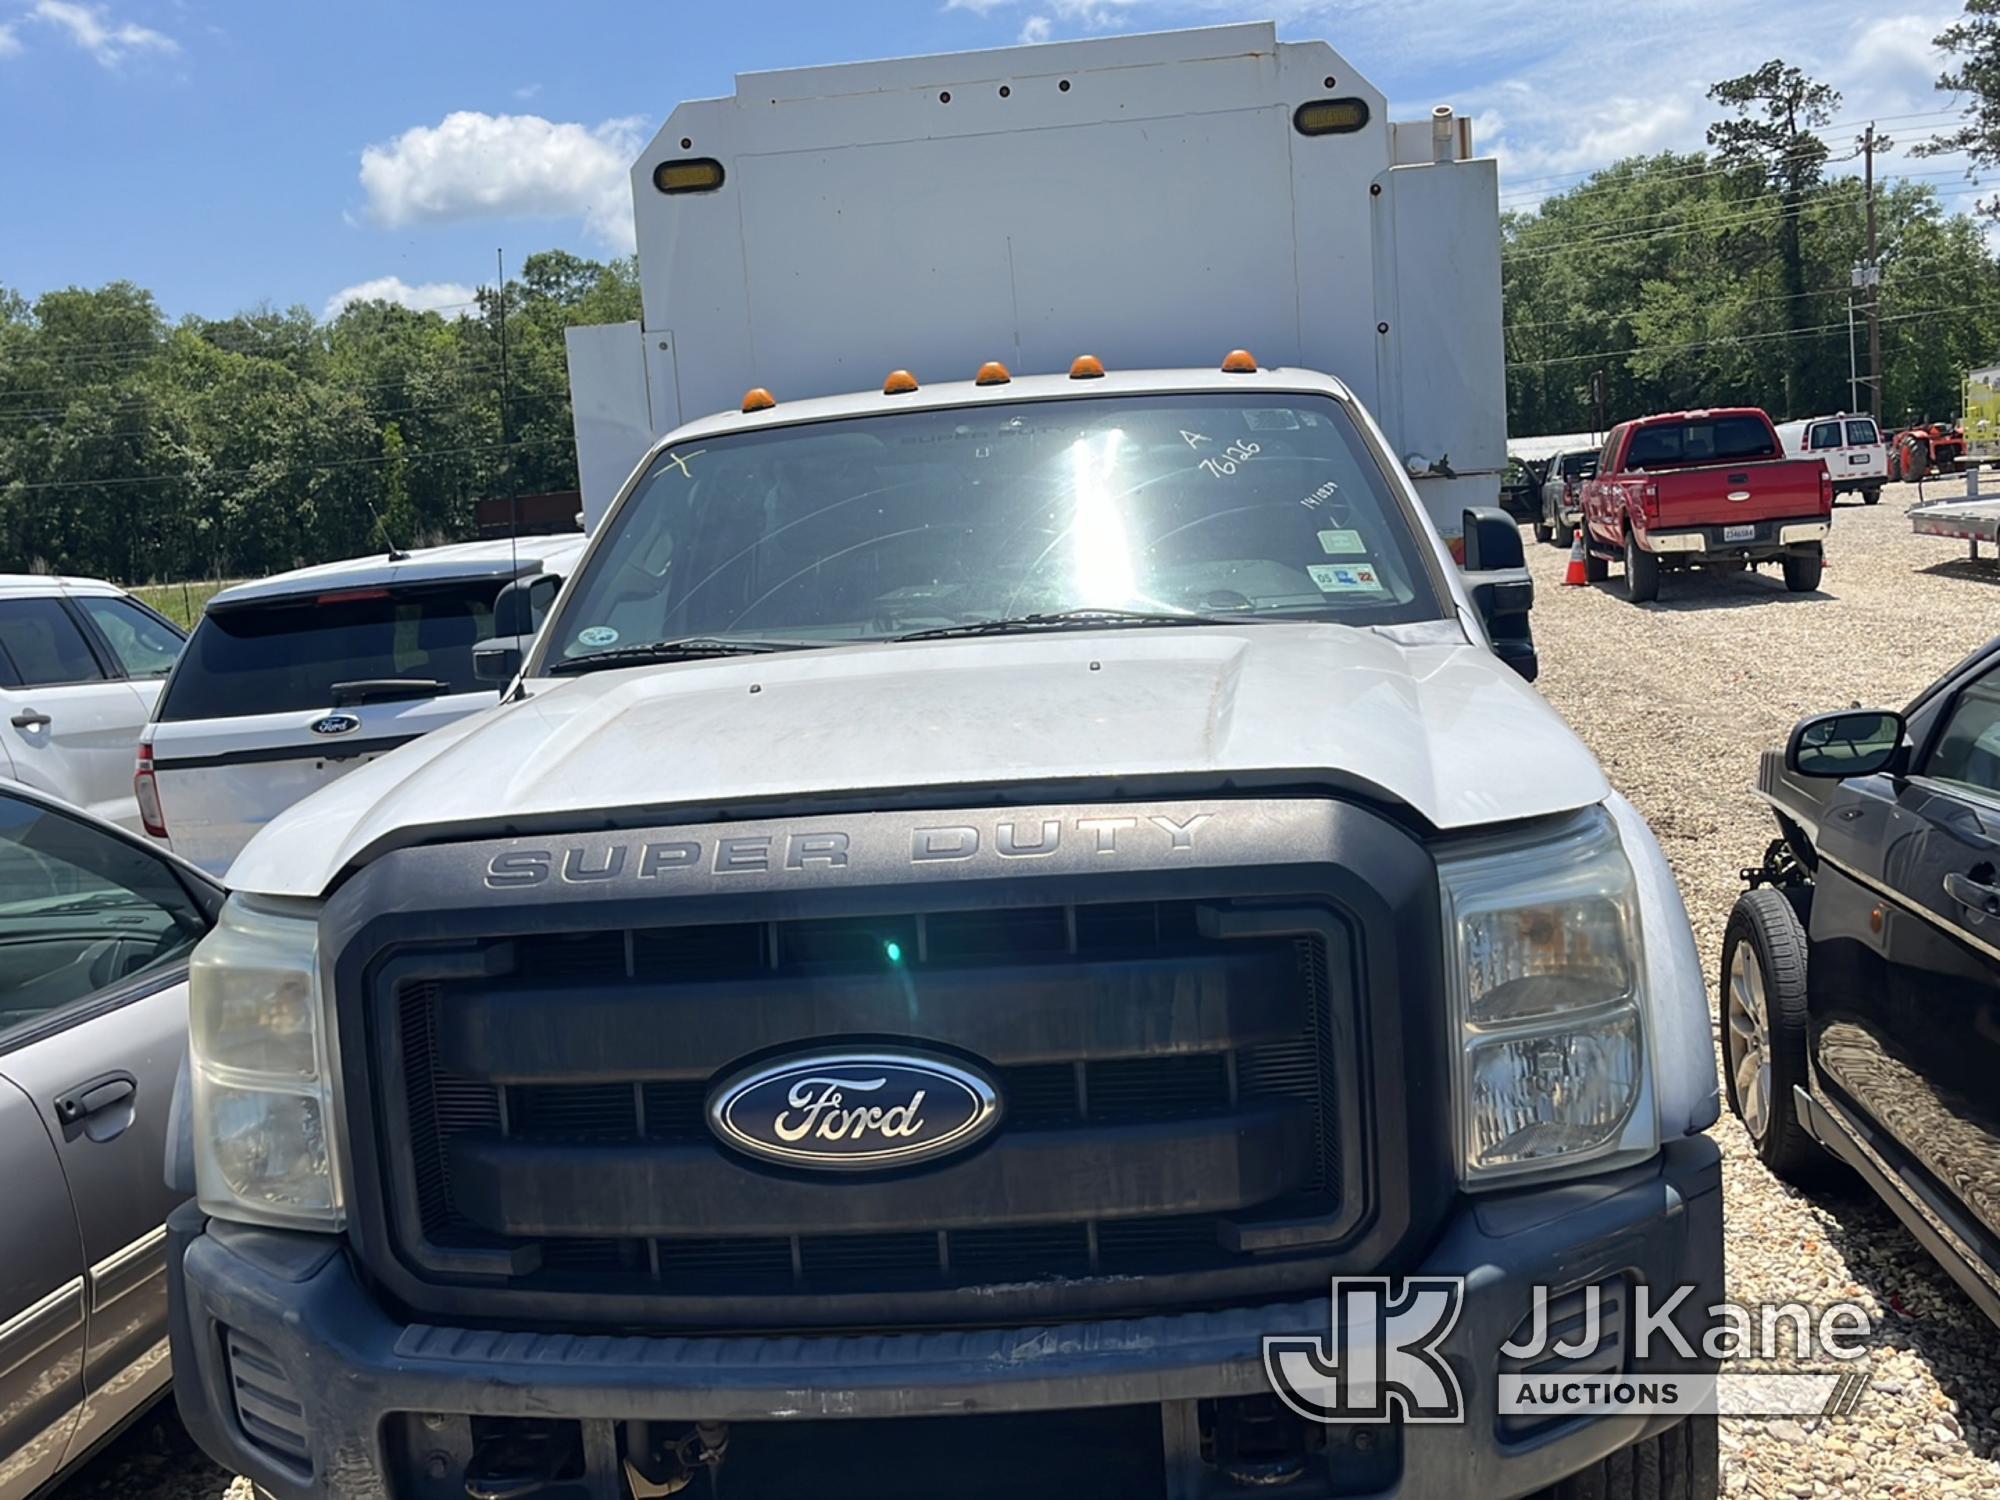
(1496,575)
(1855,742)
(499,658)
(519,606)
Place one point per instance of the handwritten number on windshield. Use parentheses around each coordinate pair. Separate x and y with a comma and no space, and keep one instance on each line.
(1233,455)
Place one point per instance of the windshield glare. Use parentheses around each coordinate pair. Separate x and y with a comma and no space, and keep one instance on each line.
(865,528)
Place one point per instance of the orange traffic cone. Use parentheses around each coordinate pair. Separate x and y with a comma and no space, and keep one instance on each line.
(1575,577)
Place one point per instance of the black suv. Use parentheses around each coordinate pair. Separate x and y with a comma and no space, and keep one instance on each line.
(1861,972)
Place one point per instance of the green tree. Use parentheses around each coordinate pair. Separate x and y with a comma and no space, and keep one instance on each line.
(1973,44)
(1777,107)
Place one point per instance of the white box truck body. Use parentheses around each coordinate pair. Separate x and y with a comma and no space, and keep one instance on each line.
(1152,200)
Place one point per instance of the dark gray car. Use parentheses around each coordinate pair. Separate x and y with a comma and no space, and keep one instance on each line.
(1861,973)
(95,930)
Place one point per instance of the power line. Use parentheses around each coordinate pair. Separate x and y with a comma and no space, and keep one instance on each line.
(1760,215)
(280,473)
(1729,339)
(1944,116)
(1902,284)
(1684,204)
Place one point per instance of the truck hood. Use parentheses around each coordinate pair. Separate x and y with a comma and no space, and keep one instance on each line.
(1444,729)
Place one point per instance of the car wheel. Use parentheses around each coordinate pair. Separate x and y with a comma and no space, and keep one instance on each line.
(1871,494)
(1764,1027)
(1803,569)
(1545,528)
(1642,572)
(1595,568)
(1682,1463)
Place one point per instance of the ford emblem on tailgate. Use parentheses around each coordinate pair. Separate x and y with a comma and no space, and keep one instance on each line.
(335,724)
(854,1111)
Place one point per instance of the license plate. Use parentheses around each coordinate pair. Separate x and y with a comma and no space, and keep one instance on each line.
(1857,458)
(1739,533)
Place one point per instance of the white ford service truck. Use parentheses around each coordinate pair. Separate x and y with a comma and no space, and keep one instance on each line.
(993,904)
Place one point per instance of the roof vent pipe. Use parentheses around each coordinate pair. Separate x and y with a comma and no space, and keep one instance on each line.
(1442,132)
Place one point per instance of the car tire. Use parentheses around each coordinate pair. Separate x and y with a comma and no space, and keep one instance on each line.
(1642,572)
(1545,528)
(1871,494)
(1595,568)
(1682,1463)
(1803,569)
(1763,1003)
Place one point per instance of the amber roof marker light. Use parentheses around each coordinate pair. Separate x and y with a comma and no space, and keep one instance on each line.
(1086,367)
(992,373)
(1331,117)
(899,383)
(1239,362)
(758,399)
(699,174)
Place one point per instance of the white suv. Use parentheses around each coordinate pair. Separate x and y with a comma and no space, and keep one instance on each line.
(81,663)
(292,681)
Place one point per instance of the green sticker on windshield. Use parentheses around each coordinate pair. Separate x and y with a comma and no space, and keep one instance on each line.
(1342,544)
(1358,578)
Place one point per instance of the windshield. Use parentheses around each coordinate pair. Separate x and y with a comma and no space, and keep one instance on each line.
(1264,506)
(1701,440)
(1579,465)
(286,655)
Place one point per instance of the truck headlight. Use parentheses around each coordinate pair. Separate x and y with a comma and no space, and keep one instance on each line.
(1546,969)
(263,1098)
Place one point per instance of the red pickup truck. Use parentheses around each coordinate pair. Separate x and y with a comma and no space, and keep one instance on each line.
(1704,489)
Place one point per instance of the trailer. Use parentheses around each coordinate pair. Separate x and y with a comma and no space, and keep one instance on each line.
(1147,199)
(1970,520)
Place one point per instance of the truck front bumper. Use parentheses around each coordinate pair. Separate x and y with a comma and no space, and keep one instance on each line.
(288,1368)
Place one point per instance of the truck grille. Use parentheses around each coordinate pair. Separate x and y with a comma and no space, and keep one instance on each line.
(1248,1049)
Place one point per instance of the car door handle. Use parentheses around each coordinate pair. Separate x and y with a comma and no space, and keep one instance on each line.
(87,1099)
(1984,899)
(28,718)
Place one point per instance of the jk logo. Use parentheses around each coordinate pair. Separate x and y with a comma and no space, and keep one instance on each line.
(1379,1359)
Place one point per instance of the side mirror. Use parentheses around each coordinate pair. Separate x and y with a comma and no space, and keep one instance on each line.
(1496,575)
(499,659)
(1858,742)
(519,606)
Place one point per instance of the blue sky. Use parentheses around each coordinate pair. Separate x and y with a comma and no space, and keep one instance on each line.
(226,154)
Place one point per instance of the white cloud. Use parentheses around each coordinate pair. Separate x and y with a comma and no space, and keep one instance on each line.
(1542,80)
(479,166)
(428,296)
(1035,29)
(91,28)
(9,43)
(527,91)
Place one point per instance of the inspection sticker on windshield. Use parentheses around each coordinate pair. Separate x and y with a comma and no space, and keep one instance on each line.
(1342,544)
(1354,578)
(597,635)
(1267,418)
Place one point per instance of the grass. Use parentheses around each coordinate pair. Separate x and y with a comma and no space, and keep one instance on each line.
(180,602)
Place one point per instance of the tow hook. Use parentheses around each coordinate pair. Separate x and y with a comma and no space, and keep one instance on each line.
(679,1462)
(522,1461)
(1256,1444)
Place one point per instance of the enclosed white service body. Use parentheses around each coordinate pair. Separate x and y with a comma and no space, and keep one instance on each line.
(1147,199)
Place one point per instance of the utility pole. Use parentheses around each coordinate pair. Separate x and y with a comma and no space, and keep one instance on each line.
(1874,279)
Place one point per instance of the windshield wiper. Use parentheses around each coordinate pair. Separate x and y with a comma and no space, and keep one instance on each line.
(1067,619)
(692,648)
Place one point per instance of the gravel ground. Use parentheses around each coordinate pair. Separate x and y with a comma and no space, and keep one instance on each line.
(1677,699)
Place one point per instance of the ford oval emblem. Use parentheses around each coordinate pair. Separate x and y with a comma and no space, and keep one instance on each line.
(335,724)
(854,1111)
